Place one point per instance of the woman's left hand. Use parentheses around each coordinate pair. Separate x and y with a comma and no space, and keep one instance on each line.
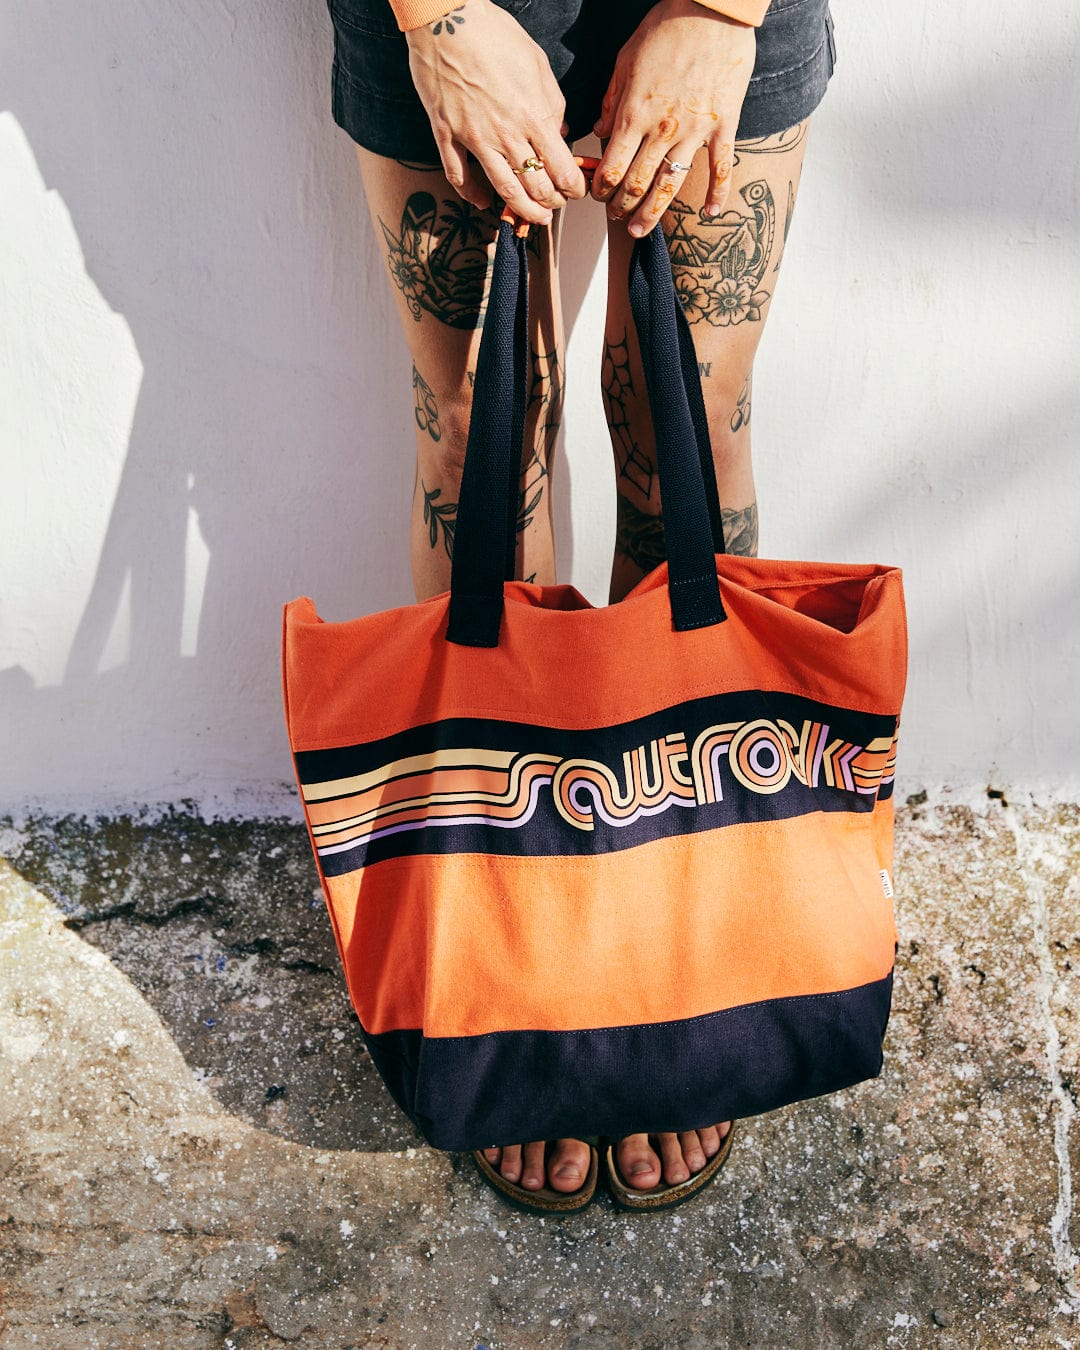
(678,85)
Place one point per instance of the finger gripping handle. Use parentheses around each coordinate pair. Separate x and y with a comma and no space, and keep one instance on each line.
(588,166)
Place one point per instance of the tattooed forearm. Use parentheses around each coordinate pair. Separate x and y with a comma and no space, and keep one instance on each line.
(439,260)
(720,261)
(425,408)
(741,530)
(439,517)
(741,416)
(617,385)
(448,22)
(639,536)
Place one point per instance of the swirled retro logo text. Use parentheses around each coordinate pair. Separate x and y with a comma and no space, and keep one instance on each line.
(519,800)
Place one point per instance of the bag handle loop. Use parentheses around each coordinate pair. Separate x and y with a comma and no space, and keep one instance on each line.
(483,553)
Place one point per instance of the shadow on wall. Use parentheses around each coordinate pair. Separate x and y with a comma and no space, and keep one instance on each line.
(220,212)
(201,188)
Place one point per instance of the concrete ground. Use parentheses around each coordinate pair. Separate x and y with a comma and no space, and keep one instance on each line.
(195,1151)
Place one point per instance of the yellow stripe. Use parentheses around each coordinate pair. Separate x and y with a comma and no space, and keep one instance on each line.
(438,759)
(478,800)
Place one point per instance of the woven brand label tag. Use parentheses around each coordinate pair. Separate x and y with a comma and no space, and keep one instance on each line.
(886,884)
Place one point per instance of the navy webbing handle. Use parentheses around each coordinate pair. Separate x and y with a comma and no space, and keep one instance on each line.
(684,464)
(485,527)
(485,530)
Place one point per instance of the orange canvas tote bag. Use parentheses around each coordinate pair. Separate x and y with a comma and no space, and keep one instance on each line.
(597,871)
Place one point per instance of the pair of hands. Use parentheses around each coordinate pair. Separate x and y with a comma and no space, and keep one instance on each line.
(678,85)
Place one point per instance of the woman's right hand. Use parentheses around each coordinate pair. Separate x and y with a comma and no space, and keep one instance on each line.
(489,90)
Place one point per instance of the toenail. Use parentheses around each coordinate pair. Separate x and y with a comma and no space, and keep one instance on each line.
(531,1182)
(639,1167)
(567,1171)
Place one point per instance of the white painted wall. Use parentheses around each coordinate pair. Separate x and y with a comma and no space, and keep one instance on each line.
(204,407)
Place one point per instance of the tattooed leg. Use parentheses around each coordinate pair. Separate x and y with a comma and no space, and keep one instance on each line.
(438,252)
(726,270)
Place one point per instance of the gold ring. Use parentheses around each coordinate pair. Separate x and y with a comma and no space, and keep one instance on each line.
(676,167)
(531,165)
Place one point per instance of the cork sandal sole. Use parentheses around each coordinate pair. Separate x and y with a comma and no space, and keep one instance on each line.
(552,1204)
(664,1196)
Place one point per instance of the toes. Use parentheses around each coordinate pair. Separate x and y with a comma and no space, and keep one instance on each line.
(532,1176)
(693,1150)
(710,1140)
(675,1168)
(510,1166)
(568,1165)
(524,1165)
(638,1164)
(712,1137)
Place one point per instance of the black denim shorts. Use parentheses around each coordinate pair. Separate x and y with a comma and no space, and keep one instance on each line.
(374,100)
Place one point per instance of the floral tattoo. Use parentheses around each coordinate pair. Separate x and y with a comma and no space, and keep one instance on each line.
(449,22)
(438,260)
(720,263)
(440,518)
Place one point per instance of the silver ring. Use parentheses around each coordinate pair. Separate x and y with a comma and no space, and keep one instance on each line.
(676,167)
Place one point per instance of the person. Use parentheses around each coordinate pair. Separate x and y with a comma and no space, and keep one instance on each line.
(702,109)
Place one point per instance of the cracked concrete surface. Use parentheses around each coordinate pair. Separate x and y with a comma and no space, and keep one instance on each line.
(195,1151)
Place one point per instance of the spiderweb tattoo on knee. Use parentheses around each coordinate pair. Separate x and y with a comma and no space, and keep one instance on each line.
(617,385)
(545,402)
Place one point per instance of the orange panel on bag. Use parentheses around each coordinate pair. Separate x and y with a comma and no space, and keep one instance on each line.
(825,633)
(463,944)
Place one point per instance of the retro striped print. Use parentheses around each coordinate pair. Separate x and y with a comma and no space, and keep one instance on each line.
(478,785)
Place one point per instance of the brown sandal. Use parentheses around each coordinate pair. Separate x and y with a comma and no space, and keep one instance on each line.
(553,1204)
(664,1196)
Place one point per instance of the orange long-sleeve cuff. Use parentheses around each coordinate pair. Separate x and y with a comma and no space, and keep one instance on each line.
(750,12)
(416,13)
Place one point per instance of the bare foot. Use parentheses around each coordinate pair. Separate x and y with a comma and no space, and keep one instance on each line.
(675,1158)
(680,1155)
(524,1164)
